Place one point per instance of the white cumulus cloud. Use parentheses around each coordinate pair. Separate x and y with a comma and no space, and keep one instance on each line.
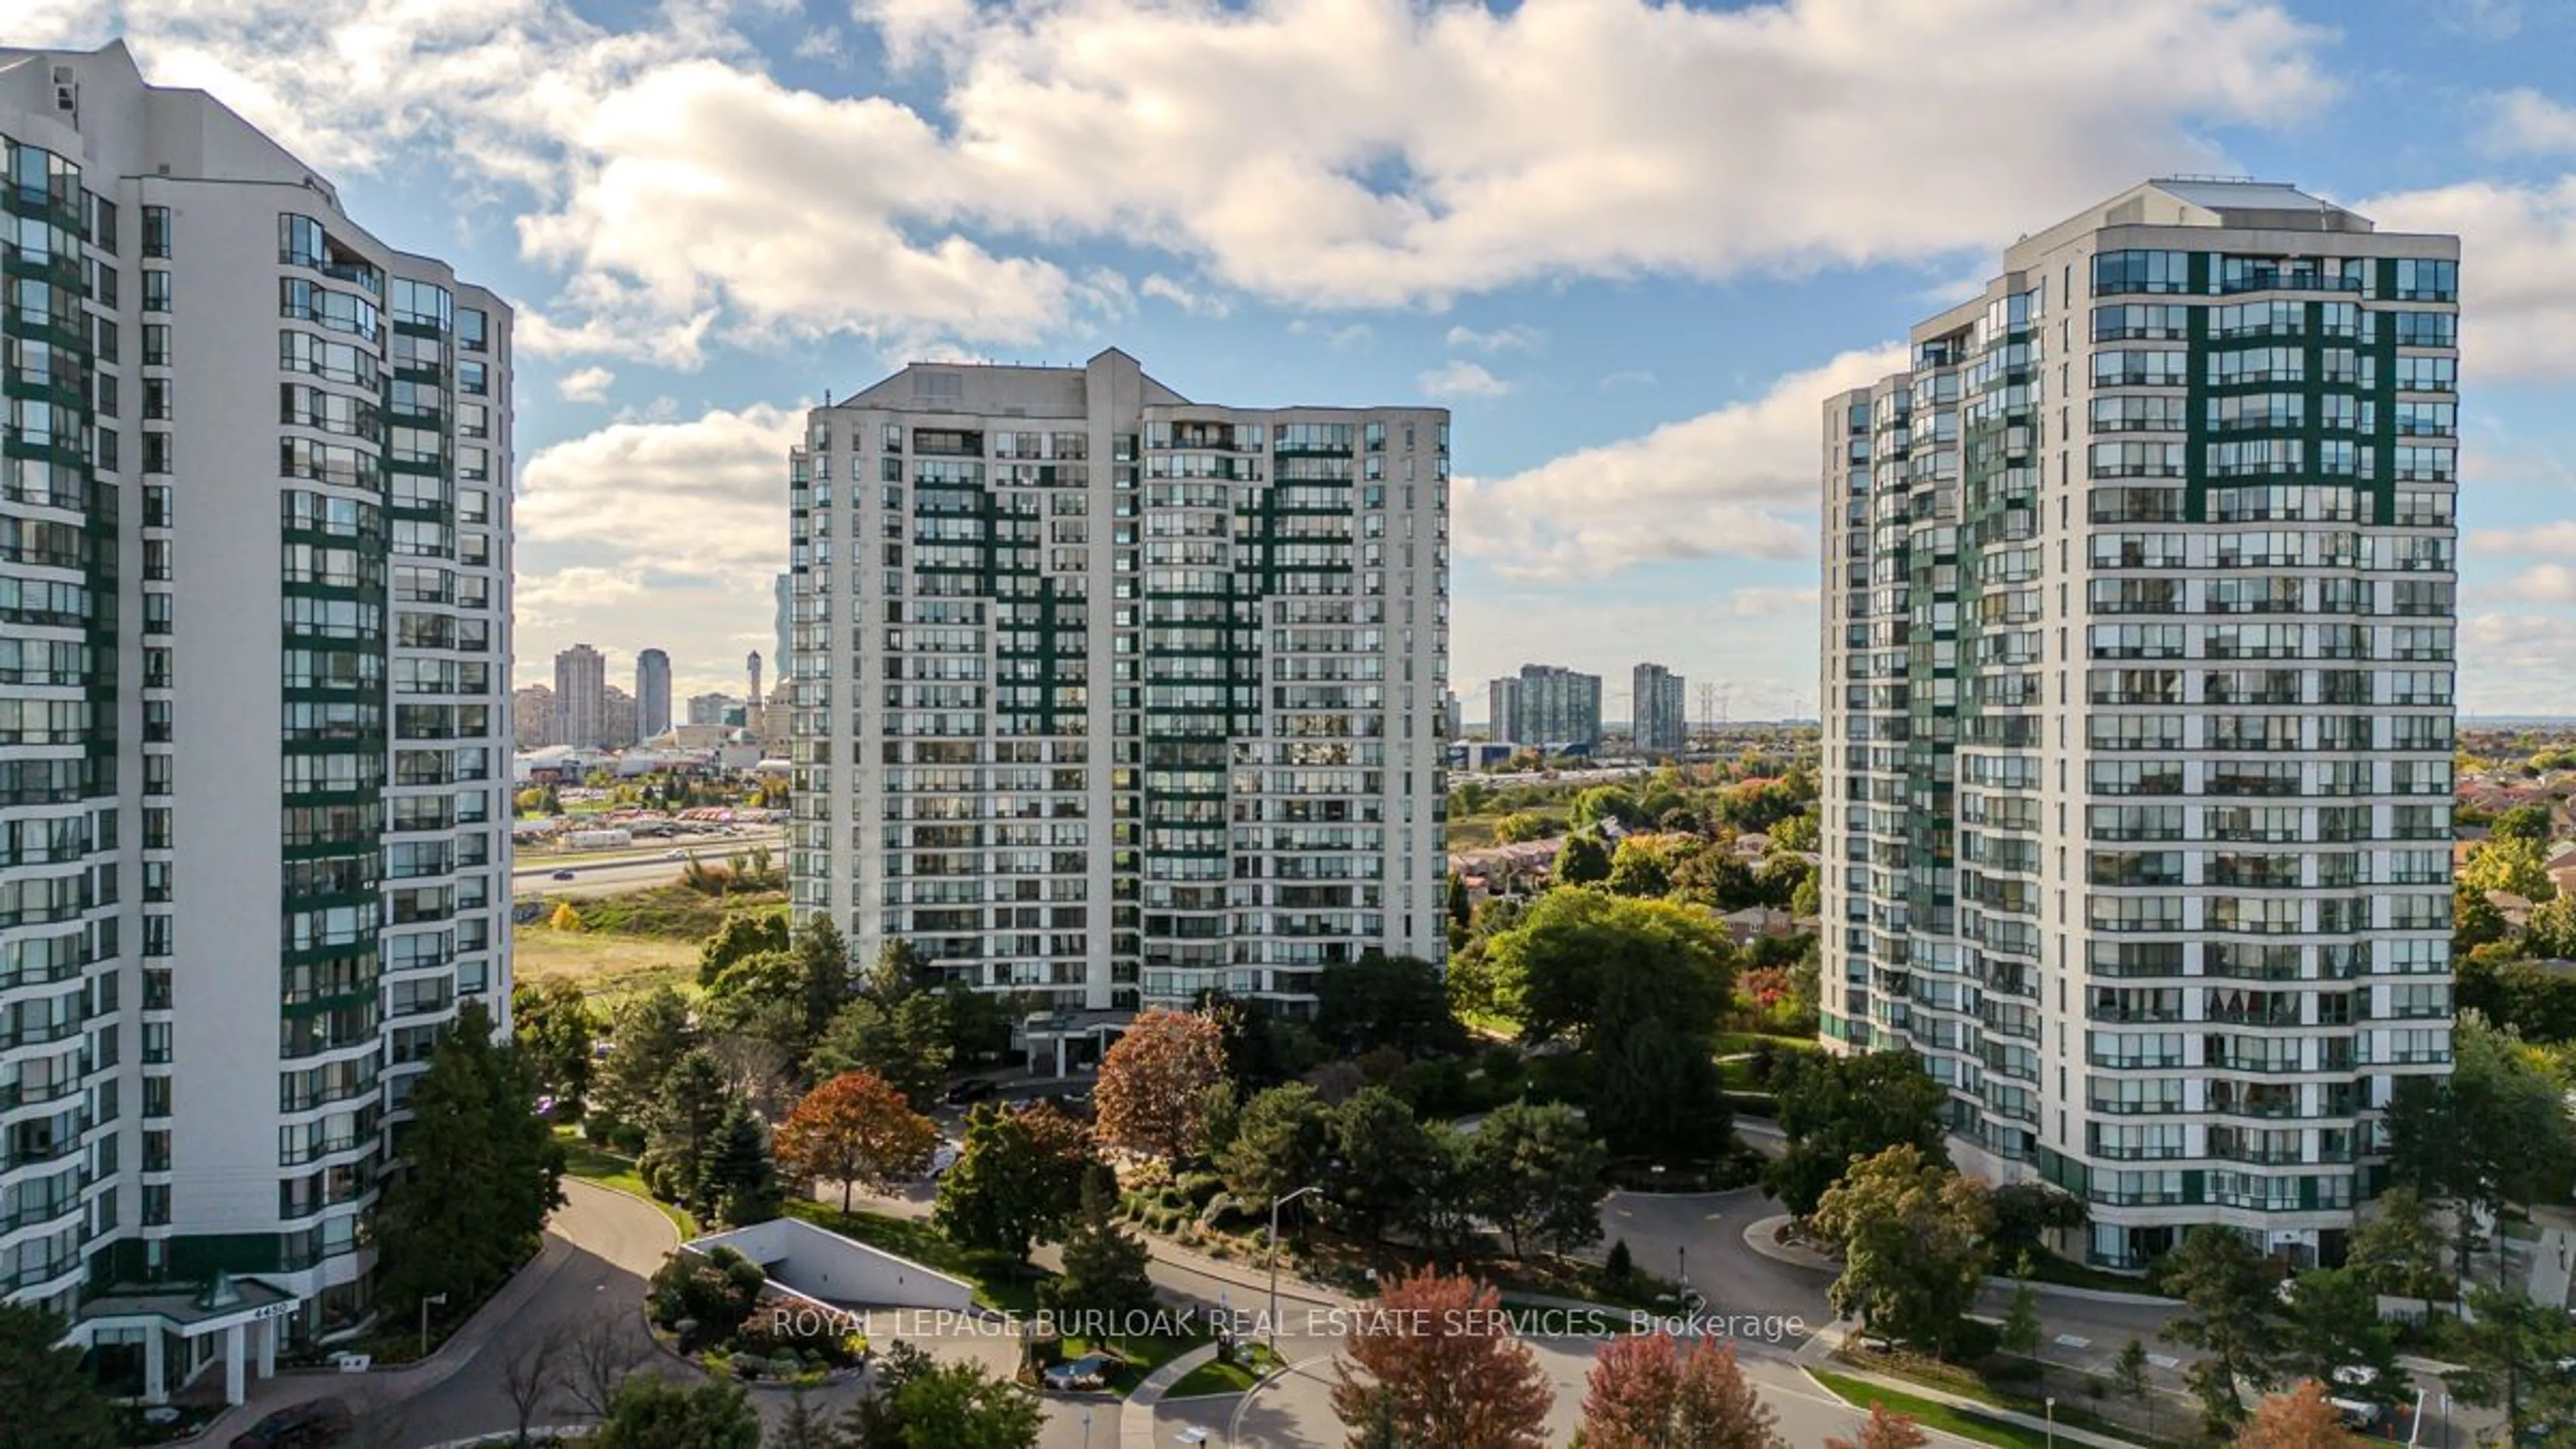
(586,385)
(1461,380)
(2517,291)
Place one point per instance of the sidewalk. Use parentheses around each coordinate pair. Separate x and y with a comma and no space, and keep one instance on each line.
(1762,1237)
(2550,1259)
(1967,1405)
(1136,1420)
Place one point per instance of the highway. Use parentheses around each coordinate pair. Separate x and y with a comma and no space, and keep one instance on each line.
(609,873)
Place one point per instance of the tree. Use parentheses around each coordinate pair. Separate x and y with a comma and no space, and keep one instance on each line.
(533,1374)
(552,1023)
(1607,802)
(1883,1430)
(646,1037)
(604,1351)
(1016,1180)
(1436,1363)
(1645,1392)
(1535,1172)
(824,980)
(2230,1312)
(2334,1325)
(1383,1161)
(2398,1250)
(2026,1212)
(1460,904)
(695,1097)
(1381,1000)
(1523,825)
(2129,1379)
(803,1427)
(2508,1348)
(978,1023)
(53,1404)
(479,1172)
(1656,1093)
(1153,1082)
(2493,1132)
(2298,1419)
(567,918)
(895,973)
(1104,1264)
(743,935)
(904,1041)
(1835,1110)
(1582,860)
(855,1128)
(1638,868)
(2020,1330)
(1278,1144)
(2519,867)
(654,1413)
(1912,1235)
(963,1406)
(1596,965)
(737,1180)
(2522,823)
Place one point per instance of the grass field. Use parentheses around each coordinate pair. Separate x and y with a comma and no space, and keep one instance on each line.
(673,911)
(1930,1414)
(591,1163)
(610,968)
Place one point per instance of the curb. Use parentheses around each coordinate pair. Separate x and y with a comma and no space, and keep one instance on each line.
(1136,1419)
(1758,1237)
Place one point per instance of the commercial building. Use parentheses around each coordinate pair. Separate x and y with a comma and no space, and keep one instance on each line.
(621,718)
(1546,707)
(581,698)
(1106,698)
(2138,628)
(652,693)
(254,720)
(1659,720)
(782,592)
(709,709)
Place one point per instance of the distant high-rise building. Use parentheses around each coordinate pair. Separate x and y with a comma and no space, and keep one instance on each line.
(1206,742)
(533,717)
(652,693)
(1658,717)
(782,590)
(620,717)
(2139,618)
(1546,707)
(754,703)
(581,698)
(1453,715)
(708,709)
(254,621)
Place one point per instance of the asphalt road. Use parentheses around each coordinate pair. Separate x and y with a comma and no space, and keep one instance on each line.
(626,870)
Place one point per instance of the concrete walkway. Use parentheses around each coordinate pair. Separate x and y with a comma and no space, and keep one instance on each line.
(2550,1259)
(2033,1422)
(1136,1420)
(1763,1237)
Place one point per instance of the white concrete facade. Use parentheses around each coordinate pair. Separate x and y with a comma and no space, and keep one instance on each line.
(2138,635)
(289,455)
(1104,698)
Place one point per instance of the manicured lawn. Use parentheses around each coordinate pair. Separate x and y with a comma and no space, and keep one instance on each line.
(2050,1268)
(591,1162)
(1213,1377)
(1930,1414)
(1736,1043)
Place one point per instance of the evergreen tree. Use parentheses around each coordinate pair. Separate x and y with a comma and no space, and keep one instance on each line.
(2230,1312)
(824,978)
(552,1023)
(1384,1161)
(1104,1264)
(52,1404)
(684,1122)
(651,1412)
(743,935)
(737,1180)
(478,1172)
(646,1037)
(904,1040)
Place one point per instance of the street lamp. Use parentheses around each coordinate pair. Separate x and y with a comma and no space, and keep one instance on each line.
(1276,1204)
(1681,1256)
(2052,1419)
(438,1298)
(1086,1429)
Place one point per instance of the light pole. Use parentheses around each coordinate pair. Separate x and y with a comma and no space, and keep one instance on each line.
(2052,1419)
(1086,1429)
(1276,1204)
(438,1298)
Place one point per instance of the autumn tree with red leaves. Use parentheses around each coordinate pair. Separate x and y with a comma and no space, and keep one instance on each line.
(854,1128)
(1884,1431)
(2298,1419)
(1434,1365)
(1152,1092)
(1646,1392)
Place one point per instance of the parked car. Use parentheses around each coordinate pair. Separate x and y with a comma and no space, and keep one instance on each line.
(973,1089)
(312,1424)
(563,875)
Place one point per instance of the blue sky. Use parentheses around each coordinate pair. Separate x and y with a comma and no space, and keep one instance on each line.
(1631,245)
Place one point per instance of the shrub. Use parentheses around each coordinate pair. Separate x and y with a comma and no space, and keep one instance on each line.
(714,1294)
(1501,1063)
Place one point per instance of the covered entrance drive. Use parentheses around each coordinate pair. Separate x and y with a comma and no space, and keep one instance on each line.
(148,1345)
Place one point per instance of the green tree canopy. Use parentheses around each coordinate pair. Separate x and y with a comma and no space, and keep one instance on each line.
(1582,860)
(743,934)
(1834,1110)
(1279,1143)
(1383,1161)
(1381,1000)
(477,1175)
(1016,1180)
(907,1041)
(647,1036)
(551,1020)
(1913,1239)
(51,1402)
(651,1412)
(2231,1312)
(1535,1172)
(1594,964)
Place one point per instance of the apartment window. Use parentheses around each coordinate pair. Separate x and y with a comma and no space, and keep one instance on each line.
(156,399)
(156,232)
(156,290)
